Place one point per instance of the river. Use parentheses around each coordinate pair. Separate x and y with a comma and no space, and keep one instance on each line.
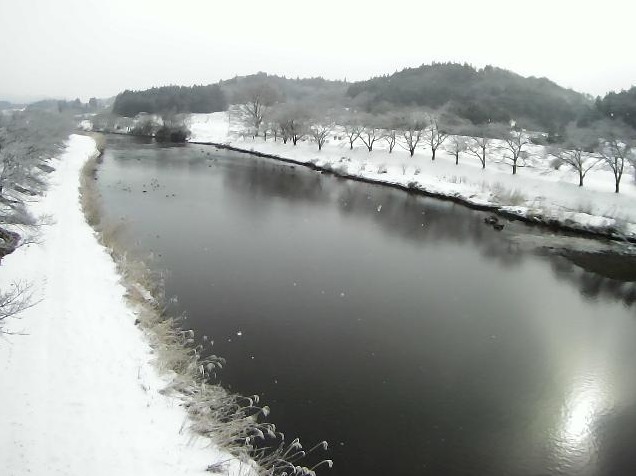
(412,336)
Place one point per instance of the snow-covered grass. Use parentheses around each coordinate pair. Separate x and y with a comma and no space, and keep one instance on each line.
(538,192)
(78,390)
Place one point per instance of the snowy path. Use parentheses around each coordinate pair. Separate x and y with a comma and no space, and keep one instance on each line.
(78,394)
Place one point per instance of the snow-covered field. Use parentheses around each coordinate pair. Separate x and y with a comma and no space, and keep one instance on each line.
(78,390)
(538,191)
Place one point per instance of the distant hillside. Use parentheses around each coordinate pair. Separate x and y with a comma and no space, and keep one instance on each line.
(619,106)
(479,95)
(10,105)
(171,99)
(215,97)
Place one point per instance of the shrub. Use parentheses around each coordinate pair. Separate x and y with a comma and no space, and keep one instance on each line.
(144,127)
(556,163)
(168,133)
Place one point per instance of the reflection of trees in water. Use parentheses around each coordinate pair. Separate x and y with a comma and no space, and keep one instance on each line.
(592,285)
(422,219)
(262,179)
(412,217)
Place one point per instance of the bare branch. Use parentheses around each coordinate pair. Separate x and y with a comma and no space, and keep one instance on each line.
(17,299)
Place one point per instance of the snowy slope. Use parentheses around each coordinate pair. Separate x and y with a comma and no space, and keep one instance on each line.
(536,191)
(78,393)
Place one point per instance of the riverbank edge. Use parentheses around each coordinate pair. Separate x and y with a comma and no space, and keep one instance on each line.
(53,303)
(537,220)
(176,352)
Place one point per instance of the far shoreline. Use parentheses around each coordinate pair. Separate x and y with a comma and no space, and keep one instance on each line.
(536,220)
(550,224)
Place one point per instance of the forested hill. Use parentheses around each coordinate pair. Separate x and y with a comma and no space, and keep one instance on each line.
(482,95)
(215,97)
(479,95)
(171,99)
(619,106)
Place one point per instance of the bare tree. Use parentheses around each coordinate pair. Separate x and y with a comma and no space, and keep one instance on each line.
(369,135)
(576,152)
(412,133)
(390,136)
(391,124)
(479,147)
(292,119)
(11,170)
(353,131)
(435,136)
(320,133)
(514,142)
(296,130)
(271,127)
(255,101)
(352,122)
(481,143)
(613,153)
(457,145)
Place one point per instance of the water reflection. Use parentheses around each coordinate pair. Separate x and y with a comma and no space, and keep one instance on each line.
(618,286)
(616,433)
(575,443)
(414,337)
(419,219)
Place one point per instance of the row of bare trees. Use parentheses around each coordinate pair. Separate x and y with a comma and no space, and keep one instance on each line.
(609,144)
(264,111)
(28,139)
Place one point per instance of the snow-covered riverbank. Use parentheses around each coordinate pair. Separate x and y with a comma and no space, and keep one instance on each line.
(78,390)
(537,193)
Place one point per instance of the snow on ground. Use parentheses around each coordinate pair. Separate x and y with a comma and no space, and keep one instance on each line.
(536,191)
(78,391)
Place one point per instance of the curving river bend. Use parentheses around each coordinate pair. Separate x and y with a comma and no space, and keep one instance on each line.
(413,337)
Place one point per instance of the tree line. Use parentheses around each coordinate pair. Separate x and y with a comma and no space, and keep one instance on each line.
(172,100)
(606,142)
(619,106)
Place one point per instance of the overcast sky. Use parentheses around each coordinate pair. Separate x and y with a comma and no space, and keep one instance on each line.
(71,48)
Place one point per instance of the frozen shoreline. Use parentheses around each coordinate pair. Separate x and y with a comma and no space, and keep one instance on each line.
(78,388)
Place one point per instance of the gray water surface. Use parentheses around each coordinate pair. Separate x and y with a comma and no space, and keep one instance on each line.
(402,329)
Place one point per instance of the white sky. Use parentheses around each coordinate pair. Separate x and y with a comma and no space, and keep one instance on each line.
(71,48)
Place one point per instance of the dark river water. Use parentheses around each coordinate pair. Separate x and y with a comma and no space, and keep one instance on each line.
(413,337)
